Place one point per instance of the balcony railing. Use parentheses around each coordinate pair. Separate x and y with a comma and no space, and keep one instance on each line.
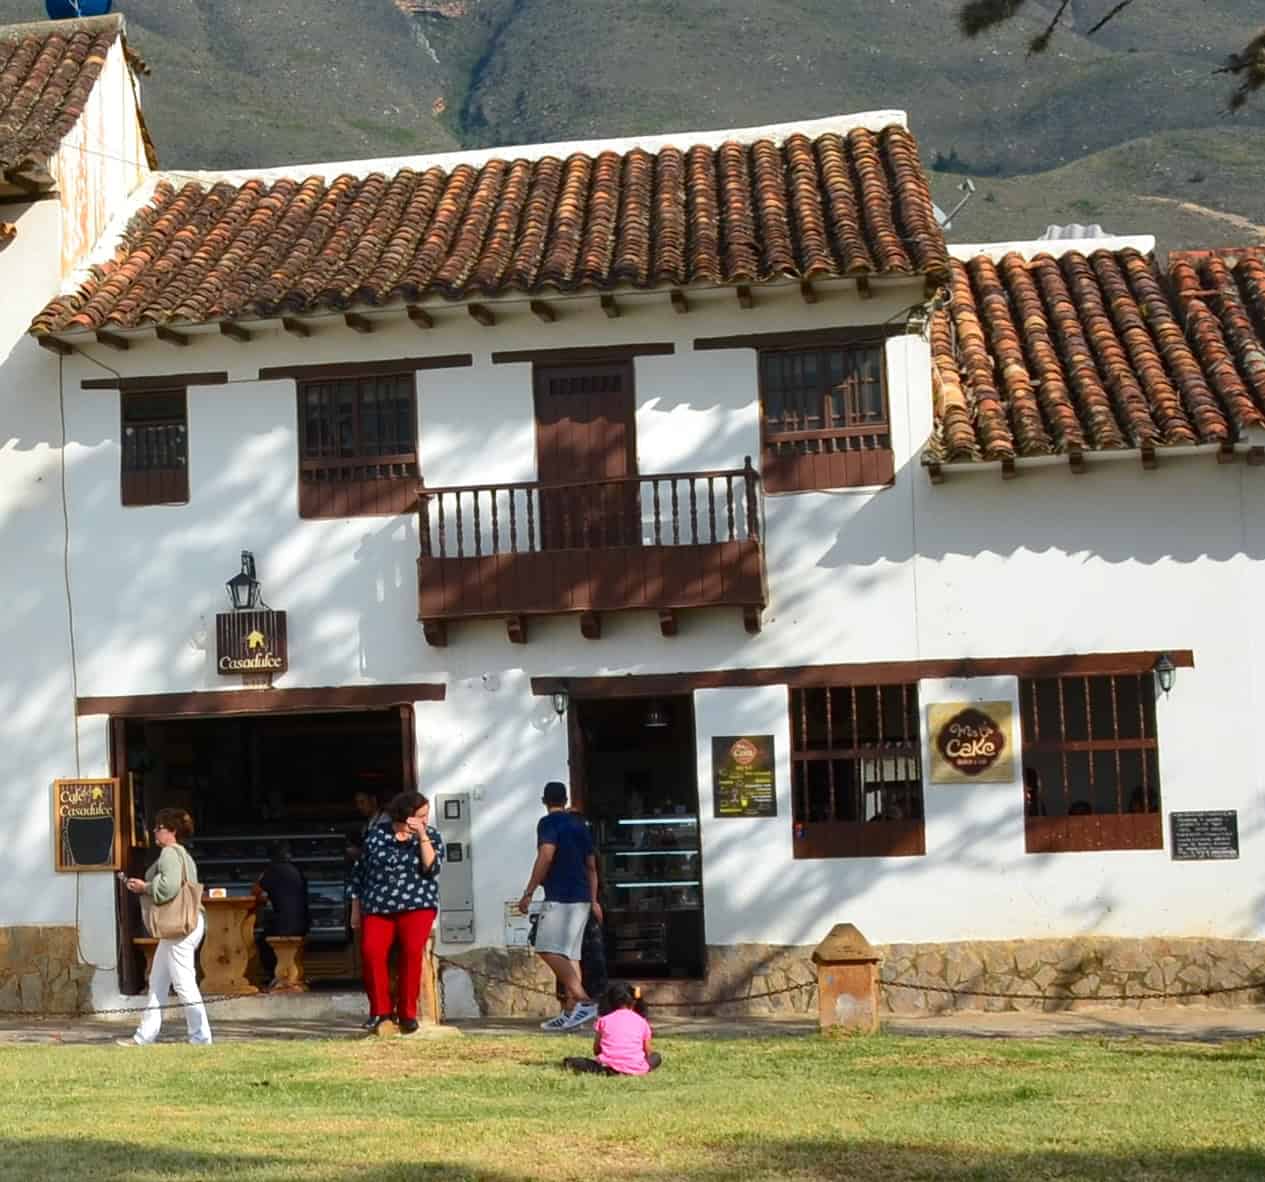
(661,542)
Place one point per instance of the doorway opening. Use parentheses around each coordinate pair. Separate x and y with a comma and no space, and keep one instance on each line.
(261,786)
(634,761)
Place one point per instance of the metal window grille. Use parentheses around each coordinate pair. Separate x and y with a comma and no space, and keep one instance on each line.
(155,431)
(1089,745)
(856,754)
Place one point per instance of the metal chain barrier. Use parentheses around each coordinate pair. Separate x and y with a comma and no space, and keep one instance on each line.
(1209,992)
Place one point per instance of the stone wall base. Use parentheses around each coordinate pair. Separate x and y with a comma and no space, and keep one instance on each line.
(41,973)
(764,979)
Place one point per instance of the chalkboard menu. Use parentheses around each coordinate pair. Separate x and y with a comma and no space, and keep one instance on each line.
(86,827)
(742,776)
(1205,836)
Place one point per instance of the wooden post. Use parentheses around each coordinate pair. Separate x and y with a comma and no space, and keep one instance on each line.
(847,980)
(428,1007)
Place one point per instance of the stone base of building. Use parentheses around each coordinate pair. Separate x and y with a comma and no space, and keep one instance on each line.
(41,973)
(991,975)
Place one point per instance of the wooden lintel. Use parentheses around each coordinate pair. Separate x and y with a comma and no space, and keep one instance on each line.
(667,621)
(171,337)
(863,287)
(481,313)
(113,340)
(360,323)
(807,290)
(753,618)
(420,317)
(680,305)
(935,473)
(1256,456)
(1008,469)
(610,307)
(295,327)
(1225,453)
(53,345)
(590,626)
(543,311)
(1149,461)
(436,633)
(516,629)
(1076,461)
(235,332)
(746,300)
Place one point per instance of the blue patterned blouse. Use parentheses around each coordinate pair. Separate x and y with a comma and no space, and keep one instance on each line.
(388,877)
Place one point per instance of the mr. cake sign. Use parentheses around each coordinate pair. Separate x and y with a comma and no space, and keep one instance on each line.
(251,642)
(971,742)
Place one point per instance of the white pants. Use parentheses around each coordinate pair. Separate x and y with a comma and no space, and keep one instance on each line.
(174,969)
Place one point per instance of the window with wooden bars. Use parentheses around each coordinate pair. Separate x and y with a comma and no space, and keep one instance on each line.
(1090,763)
(856,771)
(824,417)
(155,435)
(358,446)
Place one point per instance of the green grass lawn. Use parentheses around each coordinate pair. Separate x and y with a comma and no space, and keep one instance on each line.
(883,1108)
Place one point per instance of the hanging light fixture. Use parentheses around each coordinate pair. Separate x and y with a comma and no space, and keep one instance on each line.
(657,715)
(243,587)
(1165,673)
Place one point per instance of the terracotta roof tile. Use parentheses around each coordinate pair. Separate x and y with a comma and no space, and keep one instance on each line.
(1095,353)
(47,71)
(740,213)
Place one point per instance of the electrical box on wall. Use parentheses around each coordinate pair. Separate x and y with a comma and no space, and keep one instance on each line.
(451,816)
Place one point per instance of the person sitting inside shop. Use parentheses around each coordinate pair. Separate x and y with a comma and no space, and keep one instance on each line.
(283,886)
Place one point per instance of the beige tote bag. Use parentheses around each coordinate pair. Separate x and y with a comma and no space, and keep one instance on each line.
(176,918)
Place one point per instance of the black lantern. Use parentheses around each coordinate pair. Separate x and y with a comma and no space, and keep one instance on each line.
(243,587)
(657,716)
(1165,673)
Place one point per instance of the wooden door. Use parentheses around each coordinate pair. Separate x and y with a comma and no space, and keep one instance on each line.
(585,431)
(130,960)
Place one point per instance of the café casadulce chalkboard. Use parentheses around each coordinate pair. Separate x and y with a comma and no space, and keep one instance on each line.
(86,829)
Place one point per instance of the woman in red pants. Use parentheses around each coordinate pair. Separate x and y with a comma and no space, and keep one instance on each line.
(394,896)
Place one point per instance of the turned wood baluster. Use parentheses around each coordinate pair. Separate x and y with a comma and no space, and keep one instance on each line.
(514,523)
(423,517)
(658,540)
(693,510)
(496,541)
(729,504)
(753,518)
(531,519)
(478,533)
(711,505)
(676,516)
(461,549)
(443,544)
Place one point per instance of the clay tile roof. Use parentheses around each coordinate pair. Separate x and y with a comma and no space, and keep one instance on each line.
(848,203)
(47,71)
(1096,352)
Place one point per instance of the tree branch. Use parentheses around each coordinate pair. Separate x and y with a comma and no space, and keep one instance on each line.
(1041,41)
(977,15)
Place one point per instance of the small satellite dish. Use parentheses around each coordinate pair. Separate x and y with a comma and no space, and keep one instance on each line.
(61,10)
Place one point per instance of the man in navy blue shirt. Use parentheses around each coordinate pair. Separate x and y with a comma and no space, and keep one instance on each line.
(567,868)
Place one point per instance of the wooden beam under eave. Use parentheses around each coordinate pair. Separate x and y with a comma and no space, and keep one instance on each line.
(1255,456)
(610,307)
(516,629)
(170,336)
(360,323)
(667,621)
(295,327)
(935,473)
(113,341)
(863,287)
(53,345)
(590,626)
(1076,461)
(753,618)
(807,291)
(680,305)
(420,316)
(543,311)
(235,332)
(1149,461)
(30,178)
(1008,471)
(746,300)
(481,313)
(436,633)
(1225,453)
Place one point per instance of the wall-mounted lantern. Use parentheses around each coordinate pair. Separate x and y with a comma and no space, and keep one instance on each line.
(243,587)
(657,715)
(1165,673)
(560,700)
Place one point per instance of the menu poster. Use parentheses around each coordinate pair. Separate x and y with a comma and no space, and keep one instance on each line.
(86,829)
(742,776)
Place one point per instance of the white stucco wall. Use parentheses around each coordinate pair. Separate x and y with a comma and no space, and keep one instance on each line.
(1114,560)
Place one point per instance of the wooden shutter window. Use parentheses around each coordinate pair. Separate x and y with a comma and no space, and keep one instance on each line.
(824,418)
(358,446)
(155,437)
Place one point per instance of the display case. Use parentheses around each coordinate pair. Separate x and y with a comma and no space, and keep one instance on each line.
(236,861)
(652,883)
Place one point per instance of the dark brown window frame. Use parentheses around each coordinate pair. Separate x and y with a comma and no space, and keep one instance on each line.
(361,484)
(1136,823)
(145,480)
(866,457)
(879,836)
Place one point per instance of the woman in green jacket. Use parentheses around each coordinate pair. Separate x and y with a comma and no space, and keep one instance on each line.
(173,959)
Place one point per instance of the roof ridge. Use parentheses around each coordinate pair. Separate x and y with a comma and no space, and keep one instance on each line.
(107,22)
(1030,248)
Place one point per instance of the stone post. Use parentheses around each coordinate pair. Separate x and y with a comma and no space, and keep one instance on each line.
(847,980)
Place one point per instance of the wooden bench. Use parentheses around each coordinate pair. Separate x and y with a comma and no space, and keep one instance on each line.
(288,977)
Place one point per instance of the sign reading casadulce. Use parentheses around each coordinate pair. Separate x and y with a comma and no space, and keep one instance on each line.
(251,642)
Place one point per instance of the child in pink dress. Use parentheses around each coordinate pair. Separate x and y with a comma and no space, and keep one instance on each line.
(621,1037)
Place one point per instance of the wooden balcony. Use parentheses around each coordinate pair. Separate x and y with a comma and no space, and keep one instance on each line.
(651,543)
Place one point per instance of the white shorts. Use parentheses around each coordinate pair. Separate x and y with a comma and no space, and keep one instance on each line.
(561,928)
